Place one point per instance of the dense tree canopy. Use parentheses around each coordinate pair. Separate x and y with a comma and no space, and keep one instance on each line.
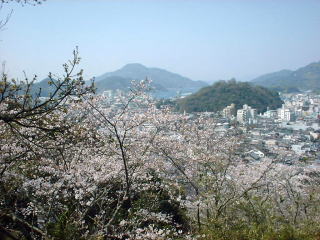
(224,93)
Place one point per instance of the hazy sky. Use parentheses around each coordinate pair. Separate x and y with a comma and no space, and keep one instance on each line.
(201,39)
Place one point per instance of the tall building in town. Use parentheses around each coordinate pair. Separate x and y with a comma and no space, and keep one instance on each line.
(229,111)
(285,114)
(247,115)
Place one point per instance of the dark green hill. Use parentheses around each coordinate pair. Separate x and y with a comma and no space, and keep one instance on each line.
(221,94)
(305,78)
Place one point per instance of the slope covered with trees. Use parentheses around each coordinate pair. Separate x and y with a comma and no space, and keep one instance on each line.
(159,77)
(304,78)
(162,80)
(124,84)
(221,94)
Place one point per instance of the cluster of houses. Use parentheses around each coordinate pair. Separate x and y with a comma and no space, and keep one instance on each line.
(292,131)
(290,134)
(292,144)
(295,107)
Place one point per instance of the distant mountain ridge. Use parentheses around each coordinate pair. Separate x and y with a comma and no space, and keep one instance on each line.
(43,87)
(116,82)
(161,79)
(304,78)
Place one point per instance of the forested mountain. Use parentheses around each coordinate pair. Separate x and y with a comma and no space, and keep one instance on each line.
(161,78)
(112,83)
(116,82)
(305,78)
(43,87)
(221,94)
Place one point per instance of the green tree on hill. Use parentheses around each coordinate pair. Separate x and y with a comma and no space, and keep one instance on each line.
(223,93)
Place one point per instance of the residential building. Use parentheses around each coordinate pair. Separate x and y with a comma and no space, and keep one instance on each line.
(247,115)
(229,111)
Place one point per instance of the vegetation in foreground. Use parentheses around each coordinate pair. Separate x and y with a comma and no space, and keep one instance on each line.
(74,166)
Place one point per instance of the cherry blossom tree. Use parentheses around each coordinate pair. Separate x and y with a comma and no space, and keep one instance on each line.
(127,170)
(94,173)
(74,165)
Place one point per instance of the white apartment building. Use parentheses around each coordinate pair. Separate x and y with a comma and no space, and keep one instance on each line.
(247,115)
(229,111)
(285,114)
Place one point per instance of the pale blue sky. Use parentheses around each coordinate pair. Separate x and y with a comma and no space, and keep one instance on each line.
(201,39)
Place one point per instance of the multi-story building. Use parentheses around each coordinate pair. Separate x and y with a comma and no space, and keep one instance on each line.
(247,115)
(229,111)
(285,114)
(271,114)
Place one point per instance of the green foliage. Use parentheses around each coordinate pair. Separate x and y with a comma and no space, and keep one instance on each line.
(286,89)
(256,219)
(64,228)
(224,93)
(260,232)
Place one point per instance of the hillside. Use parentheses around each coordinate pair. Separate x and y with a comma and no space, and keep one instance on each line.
(43,87)
(161,78)
(112,83)
(116,82)
(305,78)
(221,94)
(164,83)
